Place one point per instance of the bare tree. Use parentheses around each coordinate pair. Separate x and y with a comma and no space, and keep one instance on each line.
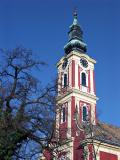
(27,109)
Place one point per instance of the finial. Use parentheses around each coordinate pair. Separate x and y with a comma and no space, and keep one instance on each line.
(75,13)
(75,22)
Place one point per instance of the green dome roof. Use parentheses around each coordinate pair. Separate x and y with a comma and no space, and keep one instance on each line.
(75,37)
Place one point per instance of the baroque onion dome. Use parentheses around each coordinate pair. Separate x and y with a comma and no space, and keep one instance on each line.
(75,38)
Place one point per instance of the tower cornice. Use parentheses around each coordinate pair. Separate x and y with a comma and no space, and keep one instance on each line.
(78,54)
(75,92)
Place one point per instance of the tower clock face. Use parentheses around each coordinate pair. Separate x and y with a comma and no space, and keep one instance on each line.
(84,62)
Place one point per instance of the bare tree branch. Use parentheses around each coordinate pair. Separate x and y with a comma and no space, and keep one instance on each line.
(27,110)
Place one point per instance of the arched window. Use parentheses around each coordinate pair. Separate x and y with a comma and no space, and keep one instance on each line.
(83,79)
(63,114)
(65,80)
(84,113)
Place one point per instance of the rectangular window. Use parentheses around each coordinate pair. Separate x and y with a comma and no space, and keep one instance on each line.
(65,80)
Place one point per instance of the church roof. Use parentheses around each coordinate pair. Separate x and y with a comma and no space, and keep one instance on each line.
(107,133)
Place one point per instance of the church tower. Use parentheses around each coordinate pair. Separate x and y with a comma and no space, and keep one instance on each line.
(76,92)
(78,134)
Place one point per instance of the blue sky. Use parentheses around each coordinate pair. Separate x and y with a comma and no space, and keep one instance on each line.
(42,25)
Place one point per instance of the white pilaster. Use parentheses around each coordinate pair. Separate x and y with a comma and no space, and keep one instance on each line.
(91,81)
(76,75)
(69,120)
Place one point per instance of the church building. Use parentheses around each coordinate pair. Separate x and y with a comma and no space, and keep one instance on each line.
(79,135)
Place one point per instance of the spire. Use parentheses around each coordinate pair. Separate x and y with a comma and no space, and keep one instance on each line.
(75,37)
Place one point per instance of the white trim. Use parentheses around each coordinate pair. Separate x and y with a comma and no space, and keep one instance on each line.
(76,74)
(70,73)
(91,81)
(78,94)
